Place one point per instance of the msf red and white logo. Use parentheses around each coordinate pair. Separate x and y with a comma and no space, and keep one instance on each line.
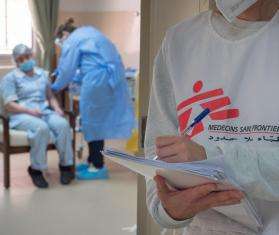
(215,100)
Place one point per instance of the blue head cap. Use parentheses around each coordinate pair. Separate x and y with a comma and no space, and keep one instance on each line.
(21,49)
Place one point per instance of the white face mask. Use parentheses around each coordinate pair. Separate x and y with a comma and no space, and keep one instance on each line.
(58,42)
(233,8)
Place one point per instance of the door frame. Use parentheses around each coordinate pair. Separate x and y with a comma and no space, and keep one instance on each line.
(146,225)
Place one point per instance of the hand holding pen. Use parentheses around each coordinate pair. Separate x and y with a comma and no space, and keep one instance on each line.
(181,148)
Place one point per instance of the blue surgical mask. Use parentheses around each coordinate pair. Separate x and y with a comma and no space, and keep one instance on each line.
(27,65)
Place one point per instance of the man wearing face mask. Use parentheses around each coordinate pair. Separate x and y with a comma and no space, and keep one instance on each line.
(33,108)
(226,60)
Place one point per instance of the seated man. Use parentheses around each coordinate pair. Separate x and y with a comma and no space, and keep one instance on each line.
(33,108)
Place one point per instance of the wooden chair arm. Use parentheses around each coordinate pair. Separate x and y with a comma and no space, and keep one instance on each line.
(72,118)
(3,118)
(6,130)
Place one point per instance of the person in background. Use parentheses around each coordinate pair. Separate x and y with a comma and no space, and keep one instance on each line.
(90,58)
(232,68)
(32,107)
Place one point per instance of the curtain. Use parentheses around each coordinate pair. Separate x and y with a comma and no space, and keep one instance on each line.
(44,19)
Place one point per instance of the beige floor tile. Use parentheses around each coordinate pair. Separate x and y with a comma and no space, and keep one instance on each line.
(84,208)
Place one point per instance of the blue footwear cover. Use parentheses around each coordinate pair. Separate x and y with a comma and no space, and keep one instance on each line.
(82,166)
(100,174)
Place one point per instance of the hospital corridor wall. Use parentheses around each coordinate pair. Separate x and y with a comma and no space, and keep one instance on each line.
(118,20)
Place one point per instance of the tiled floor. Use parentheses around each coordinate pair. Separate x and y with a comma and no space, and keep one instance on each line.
(84,208)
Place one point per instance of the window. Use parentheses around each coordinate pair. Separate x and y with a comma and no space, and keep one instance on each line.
(15,25)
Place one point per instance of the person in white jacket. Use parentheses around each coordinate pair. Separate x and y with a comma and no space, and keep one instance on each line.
(232,68)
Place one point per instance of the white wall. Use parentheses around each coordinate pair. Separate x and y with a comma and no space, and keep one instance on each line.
(117,19)
(99,5)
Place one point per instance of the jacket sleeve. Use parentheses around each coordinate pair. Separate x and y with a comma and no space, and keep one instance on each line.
(8,89)
(67,67)
(162,120)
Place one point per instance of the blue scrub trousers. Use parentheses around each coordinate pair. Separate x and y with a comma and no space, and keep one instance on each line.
(40,131)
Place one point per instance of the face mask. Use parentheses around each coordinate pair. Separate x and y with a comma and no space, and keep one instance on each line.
(27,65)
(58,42)
(233,8)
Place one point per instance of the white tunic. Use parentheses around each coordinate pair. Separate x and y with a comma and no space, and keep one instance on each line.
(233,70)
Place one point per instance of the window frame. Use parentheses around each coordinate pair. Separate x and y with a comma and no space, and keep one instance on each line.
(6,60)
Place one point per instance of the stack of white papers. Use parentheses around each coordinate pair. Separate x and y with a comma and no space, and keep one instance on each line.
(185,175)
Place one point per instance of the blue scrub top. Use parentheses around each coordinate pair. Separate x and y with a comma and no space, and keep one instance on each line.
(105,106)
(29,92)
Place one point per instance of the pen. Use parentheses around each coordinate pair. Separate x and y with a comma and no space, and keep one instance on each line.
(197,120)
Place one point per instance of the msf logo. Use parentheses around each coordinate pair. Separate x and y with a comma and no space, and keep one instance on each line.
(213,100)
